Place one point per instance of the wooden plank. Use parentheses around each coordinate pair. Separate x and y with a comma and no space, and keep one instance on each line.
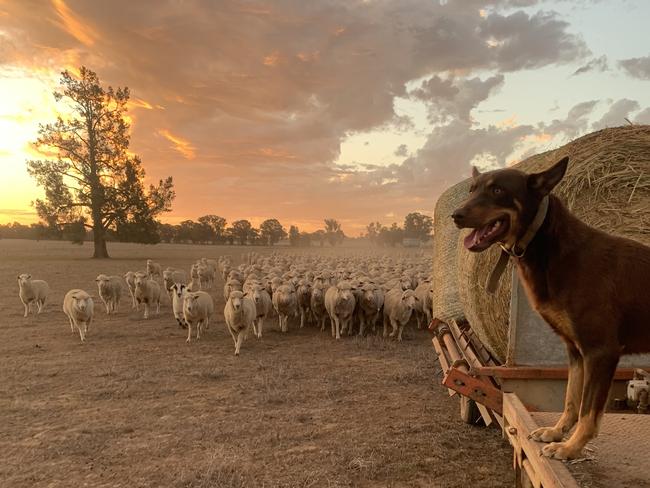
(526,372)
(549,472)
(485,413)
(442,359)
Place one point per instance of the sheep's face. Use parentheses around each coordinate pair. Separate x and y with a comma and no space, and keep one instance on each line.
(102,279)
(24,278)
(236,298)
(257,295)
(405,283)
(191,303)
(409,299)
(80,303)
(178,289)
(140,280)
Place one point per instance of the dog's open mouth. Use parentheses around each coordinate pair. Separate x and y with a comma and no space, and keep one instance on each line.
(483,237)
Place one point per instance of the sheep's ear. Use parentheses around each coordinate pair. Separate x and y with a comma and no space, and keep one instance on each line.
(29,277)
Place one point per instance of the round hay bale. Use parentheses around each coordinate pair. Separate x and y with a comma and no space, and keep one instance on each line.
(446,300)
(607,185)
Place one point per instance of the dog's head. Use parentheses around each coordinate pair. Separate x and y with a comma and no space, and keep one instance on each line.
(502,204)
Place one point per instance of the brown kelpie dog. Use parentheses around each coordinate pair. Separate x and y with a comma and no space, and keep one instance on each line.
(590,287)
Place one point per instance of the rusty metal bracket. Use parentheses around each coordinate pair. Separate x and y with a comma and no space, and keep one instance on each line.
(477,389)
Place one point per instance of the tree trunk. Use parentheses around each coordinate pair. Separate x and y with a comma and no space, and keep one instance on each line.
(100,245)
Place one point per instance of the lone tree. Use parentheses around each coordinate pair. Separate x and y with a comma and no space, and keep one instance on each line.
(91,175)
(418,226)
(271,231)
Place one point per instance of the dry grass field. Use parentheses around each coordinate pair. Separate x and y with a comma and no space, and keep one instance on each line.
(136,406)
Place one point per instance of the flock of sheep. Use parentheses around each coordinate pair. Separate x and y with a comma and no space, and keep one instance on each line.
(354,293)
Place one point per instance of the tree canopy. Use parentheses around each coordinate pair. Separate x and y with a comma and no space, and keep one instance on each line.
(89,175)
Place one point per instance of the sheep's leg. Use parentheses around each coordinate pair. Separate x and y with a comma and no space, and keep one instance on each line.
(418,318)
(80,329)
(71,324)
(260,326)
(255,327)
(362,325)
(189,331)
(199,325)
(302,317)
(146,310)
(238,342)
(106,306)
(399,334)
(232,334)
(393,324)
(26,308)
(385,326)
(41,304)
(158,307)
(337,326)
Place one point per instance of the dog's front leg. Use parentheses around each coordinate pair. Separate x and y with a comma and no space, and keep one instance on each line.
(572,401)
(599,368)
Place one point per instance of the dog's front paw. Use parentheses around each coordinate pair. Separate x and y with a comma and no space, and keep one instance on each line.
(561,450)
(546,434)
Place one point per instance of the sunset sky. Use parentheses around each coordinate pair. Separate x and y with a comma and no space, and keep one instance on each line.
(359,110)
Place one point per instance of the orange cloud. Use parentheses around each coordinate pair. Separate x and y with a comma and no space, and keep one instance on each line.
(181,145)
(272,59)
(74,26)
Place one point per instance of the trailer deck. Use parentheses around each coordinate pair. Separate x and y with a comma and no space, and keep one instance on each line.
(618,457)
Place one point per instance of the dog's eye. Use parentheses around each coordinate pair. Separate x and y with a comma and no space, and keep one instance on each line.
(497,190)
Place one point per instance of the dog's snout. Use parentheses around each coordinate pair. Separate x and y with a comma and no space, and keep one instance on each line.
(458,215)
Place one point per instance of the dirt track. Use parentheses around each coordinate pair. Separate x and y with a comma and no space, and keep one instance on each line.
(137,406)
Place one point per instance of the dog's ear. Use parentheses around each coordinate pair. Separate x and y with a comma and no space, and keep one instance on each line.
(545,181)
(475,172)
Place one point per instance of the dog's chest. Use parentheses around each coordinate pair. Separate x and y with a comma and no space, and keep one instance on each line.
(556,317)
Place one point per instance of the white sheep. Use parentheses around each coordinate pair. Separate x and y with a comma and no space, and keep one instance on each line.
(110,291)
(230,286)
(147,291)
(206,276)
(129,277)
(398,307)
(239,314)
(285,304)
(179,290)
(340,304)
(79,308)
(197,309)
(263,306)
(317,305)
(172,276)
(32,291)
(153,269)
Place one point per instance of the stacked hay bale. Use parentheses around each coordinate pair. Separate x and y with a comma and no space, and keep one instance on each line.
(607,185)
(446,298)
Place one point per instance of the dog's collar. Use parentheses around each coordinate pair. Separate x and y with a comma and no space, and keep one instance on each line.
(519,248)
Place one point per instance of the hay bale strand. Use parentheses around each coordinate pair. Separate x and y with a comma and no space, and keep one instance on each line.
(607,185)
(446,299)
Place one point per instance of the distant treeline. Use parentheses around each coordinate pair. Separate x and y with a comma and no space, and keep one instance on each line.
(213,229)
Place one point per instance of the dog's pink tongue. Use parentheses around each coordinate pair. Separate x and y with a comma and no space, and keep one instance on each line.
(471,239)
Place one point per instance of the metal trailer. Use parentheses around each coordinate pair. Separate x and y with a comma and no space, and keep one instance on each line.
(528,391)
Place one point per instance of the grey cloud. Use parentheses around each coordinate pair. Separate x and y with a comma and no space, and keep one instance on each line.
(576,122)
(450,98)
(643,117)
(595,64)
(637,67)
(524,42)
(617,113)
(402,150)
